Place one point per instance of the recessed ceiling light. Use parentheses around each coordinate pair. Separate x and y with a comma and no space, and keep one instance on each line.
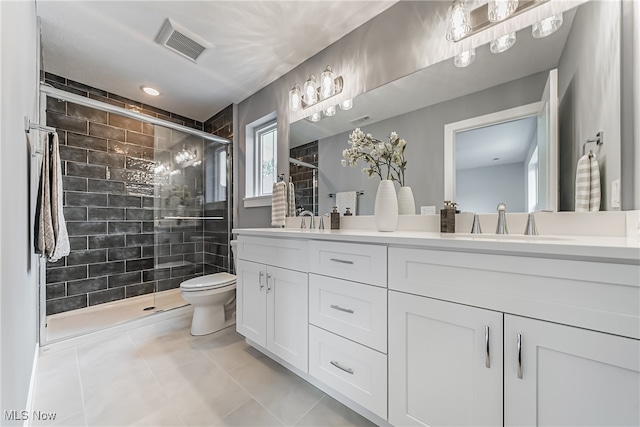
(150,90)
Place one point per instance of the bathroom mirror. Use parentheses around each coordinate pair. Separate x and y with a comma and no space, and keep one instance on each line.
(586,52)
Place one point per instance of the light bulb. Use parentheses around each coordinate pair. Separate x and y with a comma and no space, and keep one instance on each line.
(327,83)
(295,98)
(501,9)
(347,104)
(315,117)
(310,90)
(331,111)
(458,21)
(465,58)
(547,26)
(503,43)
(150,90)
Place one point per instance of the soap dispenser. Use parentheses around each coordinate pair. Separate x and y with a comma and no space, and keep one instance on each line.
(335,219)
(448,217)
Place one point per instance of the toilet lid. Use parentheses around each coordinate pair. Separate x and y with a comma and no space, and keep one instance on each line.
(210,281)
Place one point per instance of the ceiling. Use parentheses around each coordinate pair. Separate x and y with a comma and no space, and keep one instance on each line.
(498,144)
(110,45)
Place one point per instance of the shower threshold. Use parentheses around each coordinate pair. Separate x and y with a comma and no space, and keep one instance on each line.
(78,322)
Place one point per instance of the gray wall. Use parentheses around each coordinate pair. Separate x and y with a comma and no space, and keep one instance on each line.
(18,289)
(589,96)
(481,189)
(424,132)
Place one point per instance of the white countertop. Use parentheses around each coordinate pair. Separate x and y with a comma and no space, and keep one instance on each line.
(599,249)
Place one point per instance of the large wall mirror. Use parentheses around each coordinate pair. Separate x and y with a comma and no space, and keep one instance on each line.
(586,53)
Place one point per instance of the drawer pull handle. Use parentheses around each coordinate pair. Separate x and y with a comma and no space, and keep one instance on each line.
(341,261)
(337,307)
(337,365)
(519,342)
(487,359)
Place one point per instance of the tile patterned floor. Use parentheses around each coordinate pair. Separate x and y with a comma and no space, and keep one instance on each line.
(160,375)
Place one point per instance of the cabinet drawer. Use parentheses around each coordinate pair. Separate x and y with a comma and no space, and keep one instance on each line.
(356,371)
(349,309)
(285,253)
(357,262)
(592,295)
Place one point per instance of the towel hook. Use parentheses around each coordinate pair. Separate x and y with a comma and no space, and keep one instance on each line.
(599,140)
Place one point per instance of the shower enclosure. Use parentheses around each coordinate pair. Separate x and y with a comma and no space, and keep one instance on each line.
(147,205)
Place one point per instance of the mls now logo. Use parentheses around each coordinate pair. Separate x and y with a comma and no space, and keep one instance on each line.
(24,415)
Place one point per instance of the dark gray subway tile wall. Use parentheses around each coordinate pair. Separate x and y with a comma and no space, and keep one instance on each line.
(111,206)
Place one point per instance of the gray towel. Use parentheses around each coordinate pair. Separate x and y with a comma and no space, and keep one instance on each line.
(588,184)
(278,204)
(291,200)
(45,236)
(62,247)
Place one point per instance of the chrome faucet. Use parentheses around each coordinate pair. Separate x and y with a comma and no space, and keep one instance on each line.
(312,225)
(531,229)
(502,219)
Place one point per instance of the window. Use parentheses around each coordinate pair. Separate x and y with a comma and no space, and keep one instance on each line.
(266,158)
(261,160)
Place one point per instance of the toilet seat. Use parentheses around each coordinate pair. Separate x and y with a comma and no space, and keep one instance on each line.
(208,282)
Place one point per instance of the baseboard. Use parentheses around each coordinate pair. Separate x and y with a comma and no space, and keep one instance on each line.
(32,387)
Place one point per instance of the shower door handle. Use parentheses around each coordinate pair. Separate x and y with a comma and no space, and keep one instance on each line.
(260,279)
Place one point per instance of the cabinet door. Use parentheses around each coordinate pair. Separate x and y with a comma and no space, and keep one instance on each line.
(251,301)
(445,363)
(569,376)
(287,316)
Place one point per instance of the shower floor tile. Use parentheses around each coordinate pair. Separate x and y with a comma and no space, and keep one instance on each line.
(78,322)
(126,380)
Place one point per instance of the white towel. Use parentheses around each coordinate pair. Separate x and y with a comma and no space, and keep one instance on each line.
(588,184)
(278,204)
(291,200)
(45,237)
(62,247)
(347,199)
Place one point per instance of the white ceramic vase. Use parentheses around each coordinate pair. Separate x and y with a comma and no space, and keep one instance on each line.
(386,207)
(406,203)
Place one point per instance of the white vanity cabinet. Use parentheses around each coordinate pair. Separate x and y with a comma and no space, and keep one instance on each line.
(566,376)
(445,363)
(552,373)
(272,301)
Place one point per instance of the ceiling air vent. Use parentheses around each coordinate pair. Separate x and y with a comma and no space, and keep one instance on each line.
(181,41)
(360,120)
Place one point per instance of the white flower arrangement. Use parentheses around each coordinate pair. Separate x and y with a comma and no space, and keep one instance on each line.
(385,159)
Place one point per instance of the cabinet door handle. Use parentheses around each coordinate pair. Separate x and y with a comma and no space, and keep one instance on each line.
(260,279)
(487,359)
(268,287)
(337,365)
(337,307)
(341,261)
(519,341)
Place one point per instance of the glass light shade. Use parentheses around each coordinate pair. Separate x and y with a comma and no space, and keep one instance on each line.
(503,43)
(331,111)
(547,26)
(347,104)
(501,9)
(315,117)
(458,21)
(465,58)
(295,98)
(310,91)
(327,83)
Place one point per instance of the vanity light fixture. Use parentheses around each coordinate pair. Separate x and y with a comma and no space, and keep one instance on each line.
(313,93)
(185,155)
(503,43)
(310,91)
(547,26)
(150,90)
(315,117)
(465,58)
(327,83)
(347,104)
(458,21)
(499,10)
(331,111)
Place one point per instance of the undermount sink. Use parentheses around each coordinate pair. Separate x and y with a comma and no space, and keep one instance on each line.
(510,237)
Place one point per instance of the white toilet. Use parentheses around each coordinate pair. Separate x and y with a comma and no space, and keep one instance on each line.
(209,296)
